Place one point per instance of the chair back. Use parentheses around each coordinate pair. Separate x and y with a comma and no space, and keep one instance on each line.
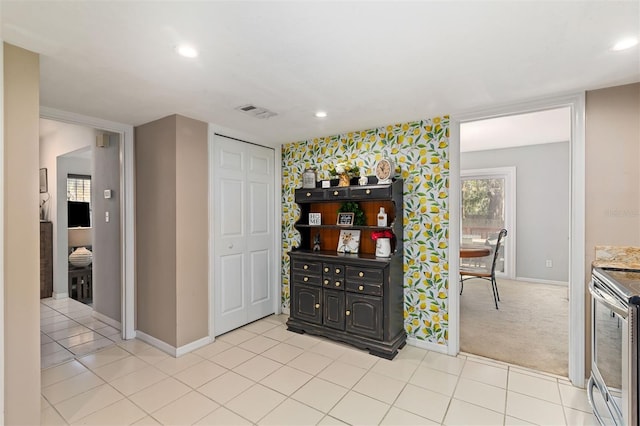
(501,235)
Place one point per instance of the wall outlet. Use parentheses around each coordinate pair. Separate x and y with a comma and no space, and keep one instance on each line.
(549,263)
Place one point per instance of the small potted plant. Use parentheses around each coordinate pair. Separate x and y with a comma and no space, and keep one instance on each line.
(344,171)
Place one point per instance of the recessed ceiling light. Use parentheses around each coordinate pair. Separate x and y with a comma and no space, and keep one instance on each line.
(187,51)
(321,114)
(625,43)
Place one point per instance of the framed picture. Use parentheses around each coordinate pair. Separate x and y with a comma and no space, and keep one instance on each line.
(43,181)
(315,218)
(346,219)
(349,241)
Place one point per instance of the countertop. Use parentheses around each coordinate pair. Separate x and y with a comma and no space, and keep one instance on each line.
(617,257)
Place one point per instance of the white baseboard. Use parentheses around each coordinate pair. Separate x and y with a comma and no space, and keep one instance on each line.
(60,295)
(105,319)
(190,347)
(539,281)
(171,350)
(427,345)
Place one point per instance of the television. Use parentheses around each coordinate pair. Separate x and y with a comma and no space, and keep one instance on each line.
(79,214)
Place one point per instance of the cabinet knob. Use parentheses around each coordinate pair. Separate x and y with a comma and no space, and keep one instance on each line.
(368,191)
(361,274)
(335,192)
(305,279)
(337,283)
(361,287)
(317,305)
(326,269)
(326,282)
(308,194)
(347,313)
(337,270)
(305,267)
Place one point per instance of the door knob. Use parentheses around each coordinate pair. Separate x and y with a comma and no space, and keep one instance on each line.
(335,192)
(368,191)
(305,267)
(326,282)
(347,313)
(361,288)
(317,305)
(337,270)
(361,274)
(305,279)
(337,283)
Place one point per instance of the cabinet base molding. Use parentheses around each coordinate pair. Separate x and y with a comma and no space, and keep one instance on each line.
(387,349)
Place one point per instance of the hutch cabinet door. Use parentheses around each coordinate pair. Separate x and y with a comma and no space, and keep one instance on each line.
(333,312)
(306,303)
(364,315)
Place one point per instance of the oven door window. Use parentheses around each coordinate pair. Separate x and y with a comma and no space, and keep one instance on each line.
(608,346)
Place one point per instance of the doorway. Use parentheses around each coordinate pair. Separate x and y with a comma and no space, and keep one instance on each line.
(576,197)
(243,256)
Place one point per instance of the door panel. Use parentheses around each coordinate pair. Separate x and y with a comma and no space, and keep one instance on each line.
(333,310)
(305,303)
(243,237)
(365,315)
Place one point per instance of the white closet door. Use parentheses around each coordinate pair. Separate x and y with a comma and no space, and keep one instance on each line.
(243,233)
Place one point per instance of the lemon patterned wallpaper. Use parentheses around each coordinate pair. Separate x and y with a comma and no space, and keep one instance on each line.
(420,150)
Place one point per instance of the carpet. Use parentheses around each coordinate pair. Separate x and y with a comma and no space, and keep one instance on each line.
(531,328)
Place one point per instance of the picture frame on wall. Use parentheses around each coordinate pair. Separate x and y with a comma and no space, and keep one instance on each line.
(44,187)
(349,241)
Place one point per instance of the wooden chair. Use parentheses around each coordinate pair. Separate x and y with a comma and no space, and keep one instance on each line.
(485,273)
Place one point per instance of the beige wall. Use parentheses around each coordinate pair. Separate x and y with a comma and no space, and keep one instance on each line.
(171,229)
(22,237)
(191,230)
(612,139)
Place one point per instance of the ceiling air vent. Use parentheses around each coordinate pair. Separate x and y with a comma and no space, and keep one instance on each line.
(256,111)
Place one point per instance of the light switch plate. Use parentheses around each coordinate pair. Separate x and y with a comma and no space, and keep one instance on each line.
(107,193)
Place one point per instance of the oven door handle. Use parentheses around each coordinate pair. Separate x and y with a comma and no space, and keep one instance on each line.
(603,298)
(592,384)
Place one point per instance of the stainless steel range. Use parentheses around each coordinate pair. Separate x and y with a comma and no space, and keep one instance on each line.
(613,386)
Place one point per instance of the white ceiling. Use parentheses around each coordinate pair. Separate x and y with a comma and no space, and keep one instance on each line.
(532,128)
(366,63)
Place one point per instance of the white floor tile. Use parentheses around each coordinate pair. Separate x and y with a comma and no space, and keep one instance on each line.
(320,394)
(331,421)
(225,387)
(481,394)
(462,413)
(171,365)
(286,380)
(200,373)
(71,387)
(358,358)
(283,353)
(534,410)
(292,413)
(377,386)
(342,374)
(236,337)
(152,356)
(397,369)
(574,397)
(302,340)
(278,333)
(358,409)
(258,344)
(260,327)
(534,386)
(255,403)
(185,410)
(489,374)
(123,412)
(140,379)
(442,362)
(91,346)
(50,348)
(212,349)
(310,363)
(104,357)
(147,421)
(423,402)
(159,394)
(56,358)
(88,402)
(329,349)
(577,417)
(434,380)
(398,417)
(120,368)
(257,368)
(232,357)
(223,417)
(50,417)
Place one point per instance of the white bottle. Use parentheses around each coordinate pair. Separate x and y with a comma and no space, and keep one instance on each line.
(382,217)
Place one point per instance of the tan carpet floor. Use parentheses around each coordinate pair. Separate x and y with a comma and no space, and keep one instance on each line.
(531,328)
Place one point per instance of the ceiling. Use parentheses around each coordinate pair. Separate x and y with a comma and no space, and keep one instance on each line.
(366,64)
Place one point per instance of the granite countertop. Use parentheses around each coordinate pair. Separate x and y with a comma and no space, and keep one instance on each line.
(617,257)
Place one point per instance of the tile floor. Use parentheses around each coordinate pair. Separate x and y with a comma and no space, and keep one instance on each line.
(264,374)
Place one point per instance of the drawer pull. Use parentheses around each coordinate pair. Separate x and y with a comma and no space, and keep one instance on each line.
(305,279)
(347,313)
(337,283)
(335,192)
(368,191)
(326,269)
(308,194)
(326,282)
(305,267)
(361,287)
(338,270)
(361,274)
(317,305)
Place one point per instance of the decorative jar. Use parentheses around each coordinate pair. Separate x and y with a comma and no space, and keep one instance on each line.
(81,257)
